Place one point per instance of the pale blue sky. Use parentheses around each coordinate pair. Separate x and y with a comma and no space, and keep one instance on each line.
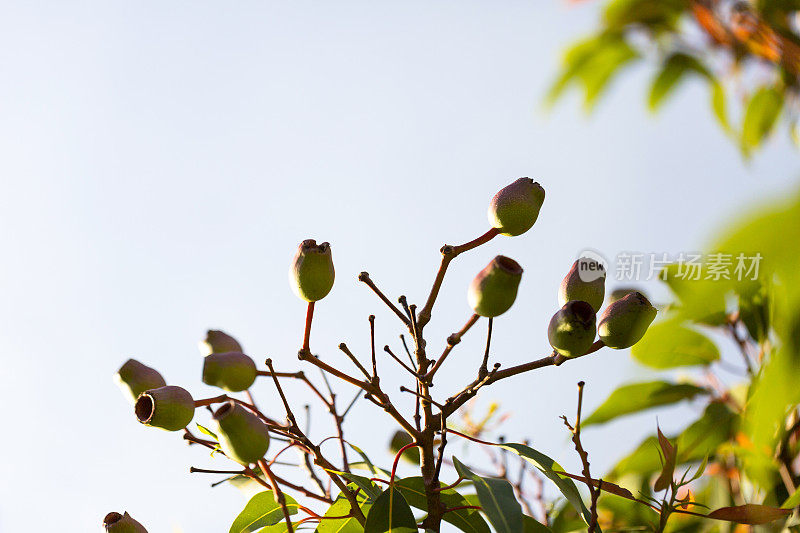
(160,161)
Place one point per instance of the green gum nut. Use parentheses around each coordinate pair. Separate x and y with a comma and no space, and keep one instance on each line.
(625,321)
(515,208)
(311,274)
(585,282)
(122,523)
(494,289)
(134,378)
(242,435)
(620,293)
(572,329)
(170,408)
(231,371)
(217,341)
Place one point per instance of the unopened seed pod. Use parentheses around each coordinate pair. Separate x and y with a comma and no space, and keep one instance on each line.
(515,208)
(122,523)
(620,293)
(217,341)
(231,371)
(134,378)
(311,274)
(242,435)
(170,408)
(572,329)
(625,321)
(585,282)
(494,289)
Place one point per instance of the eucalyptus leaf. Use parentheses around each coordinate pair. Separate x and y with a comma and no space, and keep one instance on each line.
(549,467)
(638,397)
(469,520)
(390,513)
(497,500)
(262,510)
(671,344)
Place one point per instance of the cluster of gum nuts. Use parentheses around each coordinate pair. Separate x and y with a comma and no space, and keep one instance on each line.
(245,438)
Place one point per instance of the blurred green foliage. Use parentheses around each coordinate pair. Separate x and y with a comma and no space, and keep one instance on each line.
(748,51)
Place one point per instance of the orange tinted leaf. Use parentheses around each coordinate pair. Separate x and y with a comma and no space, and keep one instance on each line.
(750,514)
(670,456)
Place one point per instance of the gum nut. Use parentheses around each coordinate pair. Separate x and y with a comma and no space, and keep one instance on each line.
(231,371)
(217,341)
(170,408)
(122,523)
(134,378)
(625,321)
(620,293)
(585,282)
(515,208)
(242,435)
(494,289)
(311,273)
(572,329)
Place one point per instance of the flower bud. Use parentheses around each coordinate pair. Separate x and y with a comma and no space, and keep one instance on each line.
(122,523)
(572,329)
(515,208)
(217,341)
(242,435)
(494,289)
(134,378)
(170,408)
(585,282)
(311,273)
(625,321)
(232,371)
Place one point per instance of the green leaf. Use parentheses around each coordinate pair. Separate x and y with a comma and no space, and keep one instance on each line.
(641,396)
(662,15)
(469,520)
(364,483)
(699,440)
(674,70)
(670,344)
(390,513)
(207,431)
(262,510)
(341,507)
(548,467)
(793,500)
(593,63)
(529,525)
(718,104)
(497,500)
(371,467)
(760,116)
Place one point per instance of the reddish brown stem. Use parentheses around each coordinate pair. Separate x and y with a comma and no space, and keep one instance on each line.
(307,333)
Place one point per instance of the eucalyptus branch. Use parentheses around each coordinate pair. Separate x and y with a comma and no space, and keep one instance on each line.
(594,492)
(448,254)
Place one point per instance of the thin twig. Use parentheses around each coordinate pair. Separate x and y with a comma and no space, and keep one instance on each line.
(400,361)
(364,278)
(452,341)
